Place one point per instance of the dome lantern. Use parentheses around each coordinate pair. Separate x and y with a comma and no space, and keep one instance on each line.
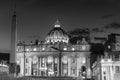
(57,23)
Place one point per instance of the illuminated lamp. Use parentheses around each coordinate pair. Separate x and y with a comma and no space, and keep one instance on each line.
(83,77)
(18,62)
(102,60)
(34,49)
(51,72)
(45,68)
(48,41)
(43,49)
(109,60)
(83,60)
(109,46)
(65,49)
(73,49)
(27,49)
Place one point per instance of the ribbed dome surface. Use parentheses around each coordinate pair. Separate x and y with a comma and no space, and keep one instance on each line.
(57,34)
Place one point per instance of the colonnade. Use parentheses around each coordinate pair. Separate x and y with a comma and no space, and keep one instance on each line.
(37,65)
(45,66)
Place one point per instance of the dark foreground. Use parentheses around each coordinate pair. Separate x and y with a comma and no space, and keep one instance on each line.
(10,77)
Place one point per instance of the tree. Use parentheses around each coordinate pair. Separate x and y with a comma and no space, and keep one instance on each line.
(12,68)
(17,69)
(77,35)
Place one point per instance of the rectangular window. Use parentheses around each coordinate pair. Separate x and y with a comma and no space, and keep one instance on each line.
(73,59)
(104,77)
(73,71)
(117,69)
(26,60)
(26,71)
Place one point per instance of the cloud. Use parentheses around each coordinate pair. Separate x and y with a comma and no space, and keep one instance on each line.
(97,30)
(107,16)
(33,37)
(113,25)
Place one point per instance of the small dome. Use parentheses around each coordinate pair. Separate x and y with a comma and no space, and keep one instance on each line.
(57,34)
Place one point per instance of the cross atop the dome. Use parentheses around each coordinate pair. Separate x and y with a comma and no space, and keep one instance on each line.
(57,23)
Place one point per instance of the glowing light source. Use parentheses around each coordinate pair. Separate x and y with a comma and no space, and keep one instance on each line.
(109,46)
(83,77)
(65,49)
(73,49)
(18,62)
(109,60)
(57,25)
(83,60)
(27,49)
(102,60)
(43,68)
(51,72)
(43,49)
(34,49)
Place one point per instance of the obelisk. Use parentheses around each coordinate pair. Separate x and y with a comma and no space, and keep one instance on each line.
(13,39)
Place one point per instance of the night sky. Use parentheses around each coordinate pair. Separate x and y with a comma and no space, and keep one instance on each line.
(35,18)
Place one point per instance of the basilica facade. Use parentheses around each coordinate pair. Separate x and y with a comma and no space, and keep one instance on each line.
(55,56)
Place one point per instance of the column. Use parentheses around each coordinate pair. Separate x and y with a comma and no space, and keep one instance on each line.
(108,73)
(88,67)
(58,66)
(102,73)
(111,73)
(78,65)
(69,66)
(30,65)
(45,66)
(39,66)
(53,65)
(22,66)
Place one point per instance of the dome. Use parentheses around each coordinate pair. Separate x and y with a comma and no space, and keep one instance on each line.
(57,34)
